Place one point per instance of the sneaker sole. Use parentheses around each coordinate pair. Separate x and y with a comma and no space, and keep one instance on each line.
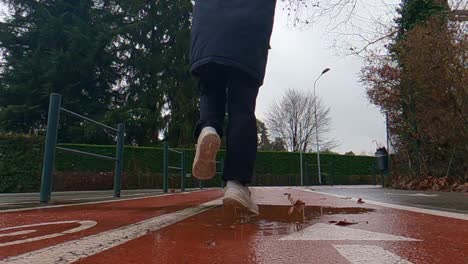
(236,206)
(204,167)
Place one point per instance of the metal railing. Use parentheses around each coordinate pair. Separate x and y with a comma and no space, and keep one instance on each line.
(182,168)
(166,167)
(51,147)
(330,176)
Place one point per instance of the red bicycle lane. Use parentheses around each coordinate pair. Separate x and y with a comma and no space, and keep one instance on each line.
(25,231)
(380,235)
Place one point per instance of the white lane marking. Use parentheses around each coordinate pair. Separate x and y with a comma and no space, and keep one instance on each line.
(13,203)
(97,202)
(364,254)
(324,187)
(414,194)
(105,197)
(91,198)
(24,232)
(322,231)
(139,194)
(83,226)
(72,251)
(401,207)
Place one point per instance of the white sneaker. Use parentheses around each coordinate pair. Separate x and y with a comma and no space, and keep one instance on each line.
(204,164)
(238,197)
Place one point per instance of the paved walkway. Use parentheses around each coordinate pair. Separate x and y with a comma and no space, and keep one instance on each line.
(445,201)
(194,228)
(28,200)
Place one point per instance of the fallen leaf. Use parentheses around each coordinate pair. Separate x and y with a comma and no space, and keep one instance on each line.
(332,222)
(345,223)
(299,203)
(360,201)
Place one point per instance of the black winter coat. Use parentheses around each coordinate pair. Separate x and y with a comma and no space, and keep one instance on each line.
(234,33)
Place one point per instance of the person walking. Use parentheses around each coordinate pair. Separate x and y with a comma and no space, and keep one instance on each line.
(229,50)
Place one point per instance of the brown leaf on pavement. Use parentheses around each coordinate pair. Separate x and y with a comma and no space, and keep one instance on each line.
(345,223)
(360,201)
(299,203)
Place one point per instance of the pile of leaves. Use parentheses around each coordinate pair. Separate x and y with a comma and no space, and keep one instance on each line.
(430,183)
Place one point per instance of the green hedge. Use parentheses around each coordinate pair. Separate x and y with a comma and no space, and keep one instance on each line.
(21,158)
(20,163)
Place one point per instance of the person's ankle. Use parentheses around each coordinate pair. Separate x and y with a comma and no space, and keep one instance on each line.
(236,182)
(209,129)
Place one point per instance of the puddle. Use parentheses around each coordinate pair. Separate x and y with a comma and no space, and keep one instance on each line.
(220,236)
(282,219)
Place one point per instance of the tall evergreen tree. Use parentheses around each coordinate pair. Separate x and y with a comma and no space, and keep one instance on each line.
(157,92)
(60,46)
(414,12)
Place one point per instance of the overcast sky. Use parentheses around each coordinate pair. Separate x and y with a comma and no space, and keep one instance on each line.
(297,58)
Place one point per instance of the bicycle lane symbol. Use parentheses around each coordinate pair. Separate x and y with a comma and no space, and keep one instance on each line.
(10,231)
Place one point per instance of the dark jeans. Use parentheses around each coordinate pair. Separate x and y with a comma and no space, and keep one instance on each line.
(221,86)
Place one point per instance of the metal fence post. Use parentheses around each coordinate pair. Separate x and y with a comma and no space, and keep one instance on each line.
(165,167)
(373,174)
(119,160)
(49,149)
(383,178)
(332,173)
(306,174)
(182,171)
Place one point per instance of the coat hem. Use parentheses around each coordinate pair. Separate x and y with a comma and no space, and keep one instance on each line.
(226,62)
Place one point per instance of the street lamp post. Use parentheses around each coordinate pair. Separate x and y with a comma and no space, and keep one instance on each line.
(301,150)
(316,127)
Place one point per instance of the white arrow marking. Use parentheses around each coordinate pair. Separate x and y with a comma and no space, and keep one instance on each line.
(83,225)
(332,232)
(364,254)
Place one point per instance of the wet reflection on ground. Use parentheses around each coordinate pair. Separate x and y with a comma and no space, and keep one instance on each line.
(283,219)
(221,236)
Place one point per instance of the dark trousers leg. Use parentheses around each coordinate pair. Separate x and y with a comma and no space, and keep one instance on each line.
(241,136)
(212,84)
